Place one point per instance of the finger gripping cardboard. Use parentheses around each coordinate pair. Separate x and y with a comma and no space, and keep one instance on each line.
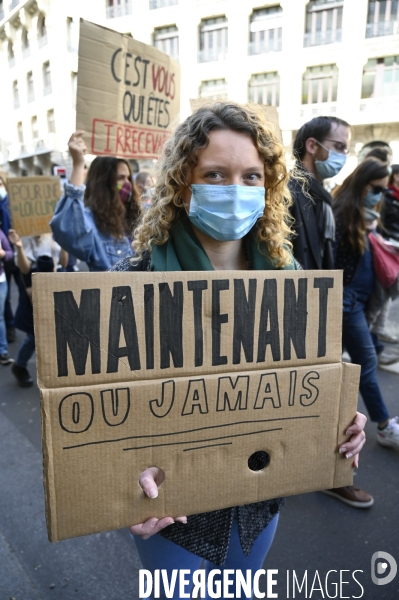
(194,373)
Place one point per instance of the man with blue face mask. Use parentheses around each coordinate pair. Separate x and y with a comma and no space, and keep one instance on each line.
(320,148)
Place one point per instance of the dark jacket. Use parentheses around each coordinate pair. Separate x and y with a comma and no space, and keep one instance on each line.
(310,247)
(208,534)
(390,214)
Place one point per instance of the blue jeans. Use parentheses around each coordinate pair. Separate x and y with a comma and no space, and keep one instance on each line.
(25,351)
(357,340)
(3,334)
(159,553)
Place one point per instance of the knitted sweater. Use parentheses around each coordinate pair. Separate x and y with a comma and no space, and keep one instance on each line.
(208,534)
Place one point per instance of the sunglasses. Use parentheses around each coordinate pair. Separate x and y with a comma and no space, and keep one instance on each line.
(377,189)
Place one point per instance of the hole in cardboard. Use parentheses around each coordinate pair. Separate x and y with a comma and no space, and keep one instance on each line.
(259,460)
(156,473)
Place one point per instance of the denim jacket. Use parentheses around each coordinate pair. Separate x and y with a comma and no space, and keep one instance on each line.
(75,230)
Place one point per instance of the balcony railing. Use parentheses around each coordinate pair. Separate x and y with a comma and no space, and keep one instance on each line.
(308,111)
(47,89)
(119,10)
(42,41)
(320,38)
(26,52)
(263,47)
(382,28)
(161,3)
(212,55)
(31,97)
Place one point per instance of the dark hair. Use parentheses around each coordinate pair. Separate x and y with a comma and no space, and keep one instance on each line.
(394,171)
(101,196)
(348,201)
(380,153)
(318,128)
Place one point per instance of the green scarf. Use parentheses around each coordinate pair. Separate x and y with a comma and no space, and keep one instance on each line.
(183,252)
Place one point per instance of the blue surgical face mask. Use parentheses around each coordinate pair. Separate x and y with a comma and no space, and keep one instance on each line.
(332,165)
(226,212)
(371,199)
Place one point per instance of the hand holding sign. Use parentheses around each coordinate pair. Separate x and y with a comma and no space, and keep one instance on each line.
(357,440)
(78,149)
(149,481)
(14,238)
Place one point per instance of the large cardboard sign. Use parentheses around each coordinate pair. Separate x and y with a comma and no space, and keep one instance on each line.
(192,372)
(32,203)
(128,93)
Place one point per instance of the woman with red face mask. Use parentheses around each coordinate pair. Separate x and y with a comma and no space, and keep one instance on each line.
(94,221)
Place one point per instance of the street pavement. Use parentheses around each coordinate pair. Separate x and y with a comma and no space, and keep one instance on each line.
(315,533)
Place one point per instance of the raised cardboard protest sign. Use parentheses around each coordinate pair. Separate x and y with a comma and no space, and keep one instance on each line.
(32,203)
(192,372)
(128,93)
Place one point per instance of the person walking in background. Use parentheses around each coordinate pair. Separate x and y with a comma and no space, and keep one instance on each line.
(320,149)
(34,254)
(388,227)
(390,207)
(93,222)
(144,184)
(6,254)
(354,209)
(10,268)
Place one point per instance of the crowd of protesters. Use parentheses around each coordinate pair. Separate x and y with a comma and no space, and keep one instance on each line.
(222,162)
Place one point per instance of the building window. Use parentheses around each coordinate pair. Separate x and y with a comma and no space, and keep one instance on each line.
(213,40)
(118,8)
(381,77)
(166,39)
(20,132)
(46,79)
(15,93)
(215,89)
(266,30)
(30,88)
(34,128)
(1,10)
(41,31)
(320,84)
(11,55)
(72,35)
(382,18)
(323,22)
(161,3)
(264,88)
(25,44)
(50,121)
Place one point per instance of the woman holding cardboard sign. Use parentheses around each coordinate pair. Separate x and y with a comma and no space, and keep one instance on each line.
(94,221)
(220,203)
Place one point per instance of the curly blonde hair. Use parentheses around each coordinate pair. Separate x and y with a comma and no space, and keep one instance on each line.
(179,157)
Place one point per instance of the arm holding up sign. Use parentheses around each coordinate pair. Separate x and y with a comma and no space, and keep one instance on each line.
(93,221)
(23,262)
